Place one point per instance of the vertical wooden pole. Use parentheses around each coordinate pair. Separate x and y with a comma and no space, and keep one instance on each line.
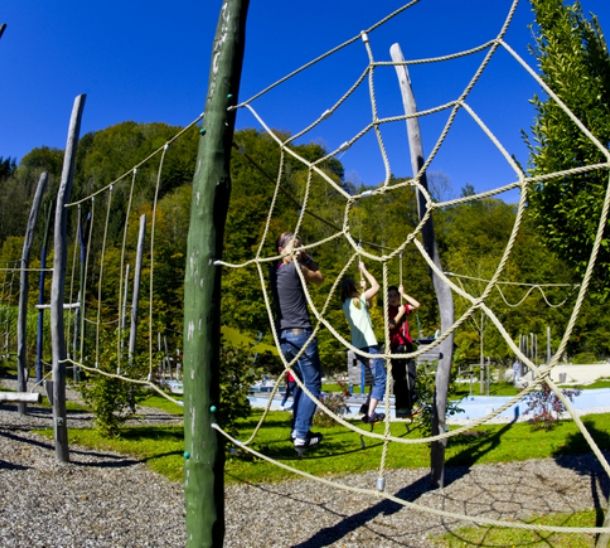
(481,355)
(124,304)
(135,297)
(58,342)
(442,290)
(41,279)
(24,279)
(204,449)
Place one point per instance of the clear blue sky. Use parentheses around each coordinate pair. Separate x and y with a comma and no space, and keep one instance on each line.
(148,61)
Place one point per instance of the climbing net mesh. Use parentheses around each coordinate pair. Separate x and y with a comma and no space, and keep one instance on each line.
(99,204)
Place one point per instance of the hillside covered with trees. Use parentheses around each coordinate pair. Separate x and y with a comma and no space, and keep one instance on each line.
(471,239)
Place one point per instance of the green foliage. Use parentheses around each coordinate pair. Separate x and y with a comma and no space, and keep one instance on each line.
(471,238)
(110,402)
(111,399)
(574,61)
(425,388)
(584,358)
(239,369)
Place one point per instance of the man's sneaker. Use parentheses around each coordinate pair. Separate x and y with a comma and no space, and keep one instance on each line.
(302,444)
(310,434)
(375,417)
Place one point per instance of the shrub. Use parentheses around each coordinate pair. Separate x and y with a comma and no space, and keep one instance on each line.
(545,407)
(425,384)
(335,401)
(240,367)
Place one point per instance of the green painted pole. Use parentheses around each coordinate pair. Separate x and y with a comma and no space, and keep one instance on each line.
(204,448)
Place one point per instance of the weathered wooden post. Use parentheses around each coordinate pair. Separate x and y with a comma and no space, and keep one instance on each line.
(58,342)
(22,314)
(204,449)
(135,297)
(482,354)
(41,279)
(442,290)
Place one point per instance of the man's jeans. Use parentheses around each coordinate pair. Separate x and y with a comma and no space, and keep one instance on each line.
(308,370)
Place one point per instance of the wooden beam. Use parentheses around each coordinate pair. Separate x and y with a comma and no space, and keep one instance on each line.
(20,397)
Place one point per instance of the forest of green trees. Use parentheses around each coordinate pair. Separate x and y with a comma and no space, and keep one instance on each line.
(471,238)
(553,243)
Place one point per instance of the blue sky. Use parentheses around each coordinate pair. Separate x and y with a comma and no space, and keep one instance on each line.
(148,62)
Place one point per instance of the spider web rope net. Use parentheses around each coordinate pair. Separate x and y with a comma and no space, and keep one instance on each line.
(479,303)
(94,210)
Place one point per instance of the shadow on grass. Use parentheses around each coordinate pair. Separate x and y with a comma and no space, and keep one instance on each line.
(576,455)
(456,467)
(271,421)
(477,443)
(153,433)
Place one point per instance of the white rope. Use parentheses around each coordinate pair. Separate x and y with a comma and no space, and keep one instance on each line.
(411,505)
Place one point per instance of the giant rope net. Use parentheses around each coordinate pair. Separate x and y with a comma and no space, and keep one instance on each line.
(94,210)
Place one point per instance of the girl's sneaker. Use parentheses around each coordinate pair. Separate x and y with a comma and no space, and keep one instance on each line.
(375,417)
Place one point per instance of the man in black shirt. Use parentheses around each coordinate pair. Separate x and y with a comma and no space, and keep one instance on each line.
(295,332)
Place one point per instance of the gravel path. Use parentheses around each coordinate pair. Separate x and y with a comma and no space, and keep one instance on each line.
(104,499)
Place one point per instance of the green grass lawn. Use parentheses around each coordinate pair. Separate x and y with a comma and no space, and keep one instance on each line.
(162,403)
(492,536)
(162,447)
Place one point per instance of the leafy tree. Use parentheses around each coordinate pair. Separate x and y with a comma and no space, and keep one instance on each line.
(574,61)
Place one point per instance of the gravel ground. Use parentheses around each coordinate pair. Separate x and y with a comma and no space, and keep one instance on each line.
(106,499)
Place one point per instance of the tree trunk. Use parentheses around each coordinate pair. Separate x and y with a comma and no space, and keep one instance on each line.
(441,290)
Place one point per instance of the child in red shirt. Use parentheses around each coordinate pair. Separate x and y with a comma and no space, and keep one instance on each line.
(403,371)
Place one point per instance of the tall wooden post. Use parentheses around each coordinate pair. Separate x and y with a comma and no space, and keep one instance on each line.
(204,449)
(135,296)
(58,342)
(41,279)
(442,290)
(24,289)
